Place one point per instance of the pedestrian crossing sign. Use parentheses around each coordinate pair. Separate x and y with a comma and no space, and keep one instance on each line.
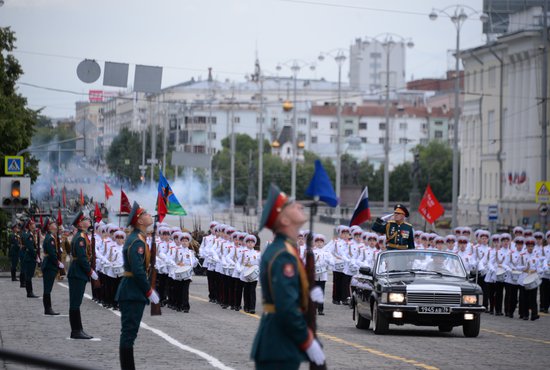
(542,192)
(13,165)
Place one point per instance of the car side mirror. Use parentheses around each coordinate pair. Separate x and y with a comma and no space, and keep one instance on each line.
(365,271)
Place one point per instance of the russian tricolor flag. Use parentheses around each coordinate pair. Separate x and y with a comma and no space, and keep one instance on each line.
(362,210)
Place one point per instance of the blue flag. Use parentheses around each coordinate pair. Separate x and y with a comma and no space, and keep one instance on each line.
(321,186)
(173,206)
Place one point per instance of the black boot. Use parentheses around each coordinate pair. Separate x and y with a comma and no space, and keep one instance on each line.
(22,281)
(127,358)
(76,326)
(13,277)
(30,293)
(47,300)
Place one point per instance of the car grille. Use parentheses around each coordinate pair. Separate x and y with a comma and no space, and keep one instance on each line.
(433,298)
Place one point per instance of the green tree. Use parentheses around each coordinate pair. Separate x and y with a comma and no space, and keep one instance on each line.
(400,182)
(372,178)
(45,133)
(17,121)
(436,168)
(122,158)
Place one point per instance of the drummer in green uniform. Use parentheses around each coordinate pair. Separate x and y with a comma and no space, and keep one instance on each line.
(79,273)
(50,264)
(399,234)
(29,260)
(134,291)
(283,339)
(15,247)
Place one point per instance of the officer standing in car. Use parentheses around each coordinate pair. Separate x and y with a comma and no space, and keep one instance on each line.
(399,234)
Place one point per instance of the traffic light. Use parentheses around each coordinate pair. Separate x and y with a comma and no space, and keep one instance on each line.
(16,192)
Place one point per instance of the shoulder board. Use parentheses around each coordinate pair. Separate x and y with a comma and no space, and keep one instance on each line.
(406,223)
(83,234)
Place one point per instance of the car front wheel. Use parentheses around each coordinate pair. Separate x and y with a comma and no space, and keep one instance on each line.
(471,327)
(360,321)
(380,324)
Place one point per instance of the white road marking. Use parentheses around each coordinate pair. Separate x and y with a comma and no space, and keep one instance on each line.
(210,359)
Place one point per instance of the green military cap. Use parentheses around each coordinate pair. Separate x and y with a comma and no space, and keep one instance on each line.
(276,200)
(402,208)
(27,222)
(79,217)
(134,214)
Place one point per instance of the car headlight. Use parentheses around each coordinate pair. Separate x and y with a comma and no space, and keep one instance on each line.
(396,297)
(469,299)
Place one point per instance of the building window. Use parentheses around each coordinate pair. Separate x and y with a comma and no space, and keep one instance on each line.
(274,120)
(375,55)
(382,126)
(364,140)
(334,125)
(301,137)
(302,121)
(492,76)
(362,125)
(348,133)
(332,139)
(491,126)
(260,120)
(380,140)
(438,123)
(287,150)
(236,119)
(403,125)
(314,139)
(423,141)
(403,140)
(438,134)
(424,126)
(212,135)
(314,124)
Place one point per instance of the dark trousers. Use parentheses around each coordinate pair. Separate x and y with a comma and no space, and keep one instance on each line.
(249,295)
(528,302)
(510,298)
(278,365)
(481,282)
(545,294)
(161,285)
(499,295)
(338,286)
(491,290)
(14,261)
(48,278)
(228,287)
(76,293)
(346,282)
(321,306)
(184,293)
(238,292)
(131,313)
(220,284)
(212,291)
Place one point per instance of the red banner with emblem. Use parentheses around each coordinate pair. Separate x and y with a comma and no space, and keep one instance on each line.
(429,207)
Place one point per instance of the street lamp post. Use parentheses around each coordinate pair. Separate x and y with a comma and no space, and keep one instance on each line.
(340,57)
(458,16)
(388,41)
(295,66)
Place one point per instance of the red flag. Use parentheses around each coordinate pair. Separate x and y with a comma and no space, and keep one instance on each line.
(52,192)
(108,192)
(161,207)
(64,196)
(81,198)
(124,203)
(97,213)
(429,206)
(59,217)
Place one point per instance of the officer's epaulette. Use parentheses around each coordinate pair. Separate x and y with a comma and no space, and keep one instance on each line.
(83,234)
(406,223)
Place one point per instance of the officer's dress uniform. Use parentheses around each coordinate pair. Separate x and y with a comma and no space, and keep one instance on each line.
(50,267)
(78,275)
(29,261)
(399,236)
(15,247)
(283,334)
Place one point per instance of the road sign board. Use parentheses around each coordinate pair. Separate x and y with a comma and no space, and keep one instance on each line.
(492,212)
(543,210)
(13,165)
(542,192)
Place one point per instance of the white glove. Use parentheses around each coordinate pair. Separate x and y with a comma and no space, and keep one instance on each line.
(153,297)
(317,295)
(60,265)
(315,352)
(94,275)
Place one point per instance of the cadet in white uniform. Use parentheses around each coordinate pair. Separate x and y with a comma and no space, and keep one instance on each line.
(528,300)
(250,273)
(323,262)
(340,253)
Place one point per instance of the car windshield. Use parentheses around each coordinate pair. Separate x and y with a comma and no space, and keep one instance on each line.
(420,262)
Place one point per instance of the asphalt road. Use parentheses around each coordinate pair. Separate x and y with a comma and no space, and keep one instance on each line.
(209,337)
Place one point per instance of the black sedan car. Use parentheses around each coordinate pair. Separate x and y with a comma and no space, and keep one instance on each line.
(419,287)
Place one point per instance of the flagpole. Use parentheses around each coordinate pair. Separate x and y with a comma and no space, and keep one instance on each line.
(120,210)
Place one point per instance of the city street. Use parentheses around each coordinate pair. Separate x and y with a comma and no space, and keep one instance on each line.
(209,337)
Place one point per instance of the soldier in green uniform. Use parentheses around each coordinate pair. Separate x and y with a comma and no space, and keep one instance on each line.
(399,234)
(134,291)
(283,339)
(79,273)
(15,247)
(50,264)
(29,261)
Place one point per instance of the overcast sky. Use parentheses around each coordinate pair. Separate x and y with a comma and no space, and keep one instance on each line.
(186,37)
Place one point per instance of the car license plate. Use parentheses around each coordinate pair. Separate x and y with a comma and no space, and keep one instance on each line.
(434,309)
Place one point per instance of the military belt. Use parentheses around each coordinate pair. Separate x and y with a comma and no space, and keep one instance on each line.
(269,308)
(398,246)
(128,274)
